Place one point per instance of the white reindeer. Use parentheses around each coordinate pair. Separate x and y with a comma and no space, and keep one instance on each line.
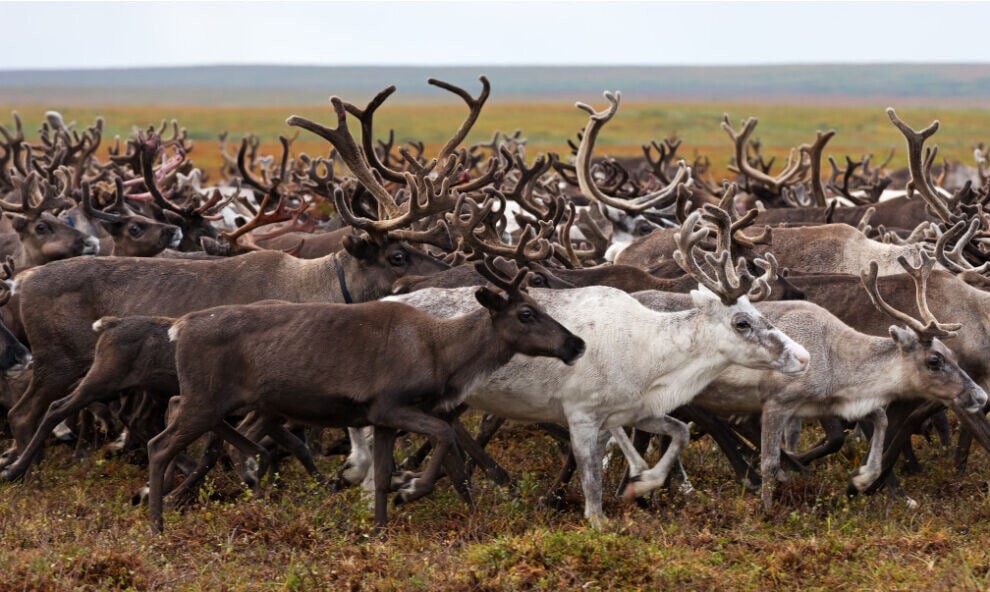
(639,364)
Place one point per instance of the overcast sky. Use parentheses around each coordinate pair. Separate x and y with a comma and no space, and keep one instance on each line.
(100,34)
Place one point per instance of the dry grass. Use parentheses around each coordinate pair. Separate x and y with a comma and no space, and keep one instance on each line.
(76,531)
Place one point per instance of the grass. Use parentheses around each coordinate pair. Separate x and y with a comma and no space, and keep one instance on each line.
(548,126)
(76,531)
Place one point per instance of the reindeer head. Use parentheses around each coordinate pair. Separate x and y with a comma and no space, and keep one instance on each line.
(521,322)
(933,369)
(133,235)
(43,236)
(742,333)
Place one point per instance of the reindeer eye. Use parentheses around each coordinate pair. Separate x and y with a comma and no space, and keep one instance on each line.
(134,230)
(527,314)
(41,228)
(398,258)
(742,324)
(537,280)
(935,362)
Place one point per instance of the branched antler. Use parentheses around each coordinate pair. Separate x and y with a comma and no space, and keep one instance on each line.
(920,179)
(730,283)
(795,162)
(928,326)
(953,259)
(596,121)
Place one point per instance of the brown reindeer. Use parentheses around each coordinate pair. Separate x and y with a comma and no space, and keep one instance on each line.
(441,359)
(41,236)
(133,235)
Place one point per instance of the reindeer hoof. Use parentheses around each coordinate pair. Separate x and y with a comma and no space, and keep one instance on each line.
(411,492)
(685,488)
(862,479)
(632,492)
(140,496)
(353,473)
(912,504)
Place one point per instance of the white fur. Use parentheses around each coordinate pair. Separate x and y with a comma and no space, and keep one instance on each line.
(639,364)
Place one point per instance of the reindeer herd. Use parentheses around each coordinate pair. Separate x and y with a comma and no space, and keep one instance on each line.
(386,291)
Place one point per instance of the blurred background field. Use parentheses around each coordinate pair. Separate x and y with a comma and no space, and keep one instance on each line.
(688,103)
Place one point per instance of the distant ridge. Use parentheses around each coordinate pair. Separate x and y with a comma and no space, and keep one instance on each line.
(919,84)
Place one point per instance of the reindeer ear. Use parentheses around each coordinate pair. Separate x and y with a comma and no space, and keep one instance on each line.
(491,300)
(703,298)
(906,339)
(172,218)
(114,228)
(18,221)
(360,248)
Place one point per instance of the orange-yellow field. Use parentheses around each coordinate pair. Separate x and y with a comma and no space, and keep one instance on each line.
(548,126)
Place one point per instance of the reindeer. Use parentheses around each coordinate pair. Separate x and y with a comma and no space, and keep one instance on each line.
(364,270)
(133,235)
(640,364)
(41,236)
(843,378)
(442,360)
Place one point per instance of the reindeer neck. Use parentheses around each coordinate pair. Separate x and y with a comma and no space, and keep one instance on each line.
(315,280)
(869,368)
(686,358)
(469,346)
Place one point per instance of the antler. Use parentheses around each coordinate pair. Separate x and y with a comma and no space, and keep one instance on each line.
(920,180)
(474,106)
(815,154)
(732,282)
(596,121)
(95,213)
(791,173)
(351,154)
(928,327)
(488,269)
(280,214)
(425,199)
(532,246)
(953,259)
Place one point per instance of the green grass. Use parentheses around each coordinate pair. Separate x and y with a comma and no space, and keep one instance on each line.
(76,531)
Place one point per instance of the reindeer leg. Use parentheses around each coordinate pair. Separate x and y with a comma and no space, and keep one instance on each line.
(412,419)
(496,474)
(384,464)
(835,438)
(870,471)
(655,477)
(358,462)
(587,454)
(286,439)
(87,392)
(773,425)
(735,449)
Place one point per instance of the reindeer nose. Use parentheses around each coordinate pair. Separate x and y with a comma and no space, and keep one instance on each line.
(799,359)
(573,349)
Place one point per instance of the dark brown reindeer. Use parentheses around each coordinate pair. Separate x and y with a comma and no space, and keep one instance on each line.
(42,237)
(440,360)
(134,358)
(94,288)
(133,235)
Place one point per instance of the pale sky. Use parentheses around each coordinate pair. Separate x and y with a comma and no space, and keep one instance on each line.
(124,34)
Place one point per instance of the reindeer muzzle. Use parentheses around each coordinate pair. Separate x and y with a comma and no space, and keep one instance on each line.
(572,350)
(972,399)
